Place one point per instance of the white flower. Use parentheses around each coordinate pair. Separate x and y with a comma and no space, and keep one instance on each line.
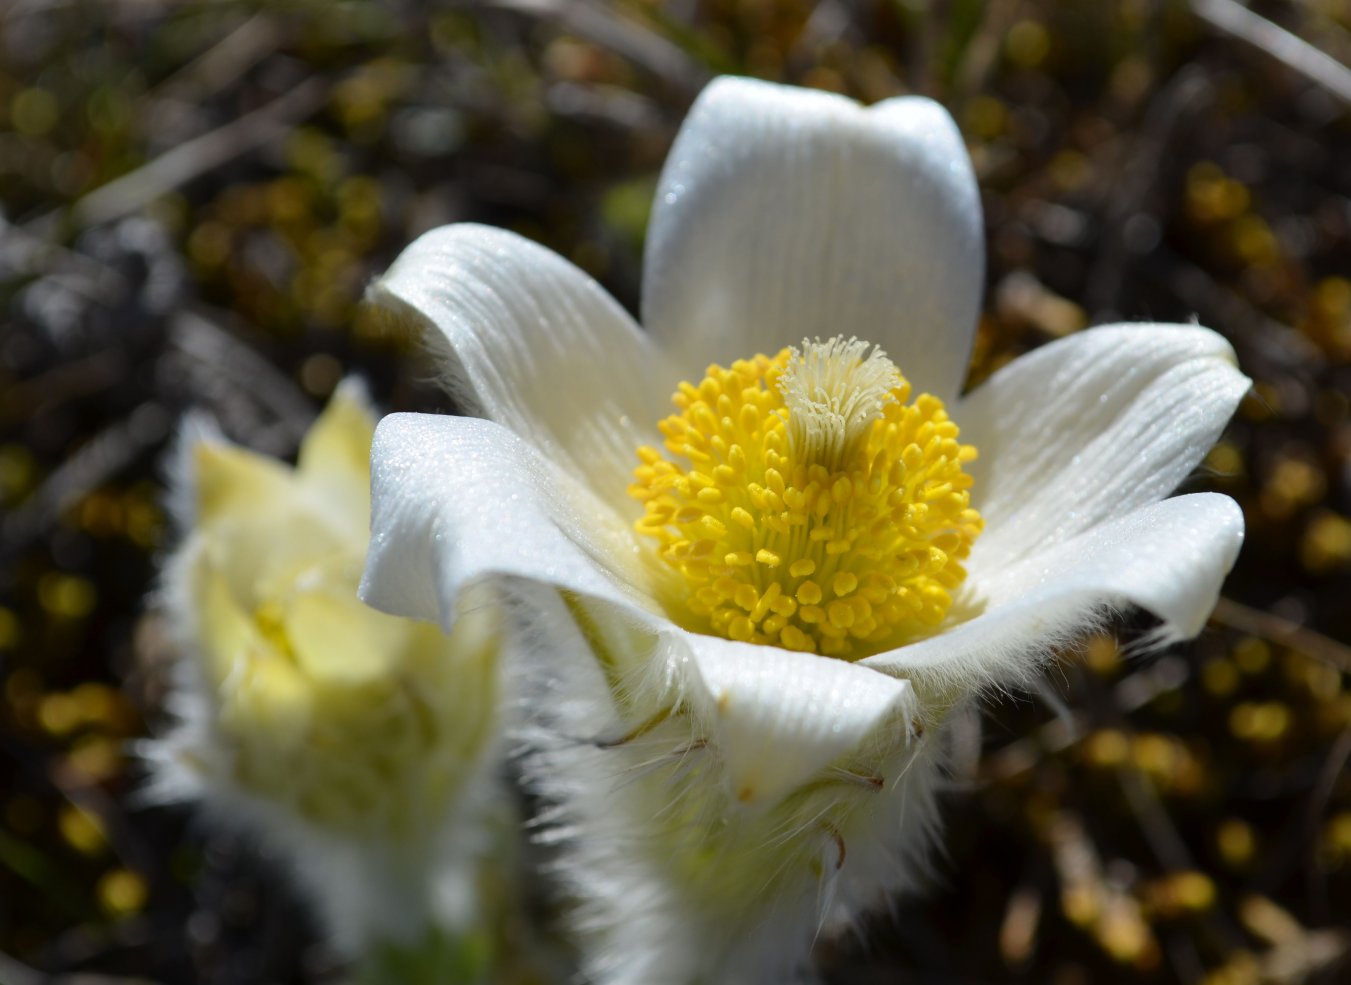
(740,792)
(357,746)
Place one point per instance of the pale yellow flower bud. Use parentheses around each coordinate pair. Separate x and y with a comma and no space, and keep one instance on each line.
(356,743)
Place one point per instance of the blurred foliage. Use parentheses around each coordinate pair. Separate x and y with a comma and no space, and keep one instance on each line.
(194,195)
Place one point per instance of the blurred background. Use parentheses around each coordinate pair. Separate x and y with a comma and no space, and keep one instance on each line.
(193,196)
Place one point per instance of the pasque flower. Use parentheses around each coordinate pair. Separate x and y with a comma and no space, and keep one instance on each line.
(754,609)
(356,745)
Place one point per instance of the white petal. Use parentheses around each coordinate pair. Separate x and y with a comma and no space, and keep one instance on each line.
(1168,558)
(455,499)
(1091,427)
(784,213)
(535,345)
(778,718)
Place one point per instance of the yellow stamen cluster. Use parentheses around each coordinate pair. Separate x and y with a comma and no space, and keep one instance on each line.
(820,510)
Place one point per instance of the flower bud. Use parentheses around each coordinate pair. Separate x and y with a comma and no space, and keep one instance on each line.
(358,746)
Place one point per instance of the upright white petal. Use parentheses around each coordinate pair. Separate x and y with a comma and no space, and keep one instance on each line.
(1091,427)
(1169,558)
(785,213)
(531,342)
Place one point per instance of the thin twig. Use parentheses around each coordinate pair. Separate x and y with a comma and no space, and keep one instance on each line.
(1275,629)
(932,26)
(1139,175)
(1132,692)
(1294,52)
(981,54)
(1333,769)
(1247,326)
(173,169)
(223,62)
(226,363)
(620,34)
(830,20)
(15,972)
(121,10)
(1158,828)
(98,460)
(62,383)
(22,253)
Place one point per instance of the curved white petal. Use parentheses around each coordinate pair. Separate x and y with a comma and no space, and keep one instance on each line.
(535,345)
(1168,558)
(786,213)
(778,718)
(1092,427)
(455,499)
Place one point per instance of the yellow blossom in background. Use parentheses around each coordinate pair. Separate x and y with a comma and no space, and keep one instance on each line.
(355,742)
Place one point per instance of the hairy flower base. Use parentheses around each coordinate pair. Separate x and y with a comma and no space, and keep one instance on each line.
(820,511)
(714,872)
(725,852)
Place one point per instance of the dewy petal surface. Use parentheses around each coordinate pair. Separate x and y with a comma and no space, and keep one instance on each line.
(1169,558)
(456,499)
(1092,427)
(778,718)
(787,213)
(535,345)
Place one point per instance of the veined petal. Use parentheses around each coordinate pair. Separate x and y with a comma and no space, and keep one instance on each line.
(788,213)
(1169,558)
(1092,427)
(778,718)
(456,499)
(534,344)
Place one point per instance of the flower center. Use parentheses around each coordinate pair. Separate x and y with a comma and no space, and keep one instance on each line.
(820,510)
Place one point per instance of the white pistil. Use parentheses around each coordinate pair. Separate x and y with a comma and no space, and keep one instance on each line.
(834,391)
